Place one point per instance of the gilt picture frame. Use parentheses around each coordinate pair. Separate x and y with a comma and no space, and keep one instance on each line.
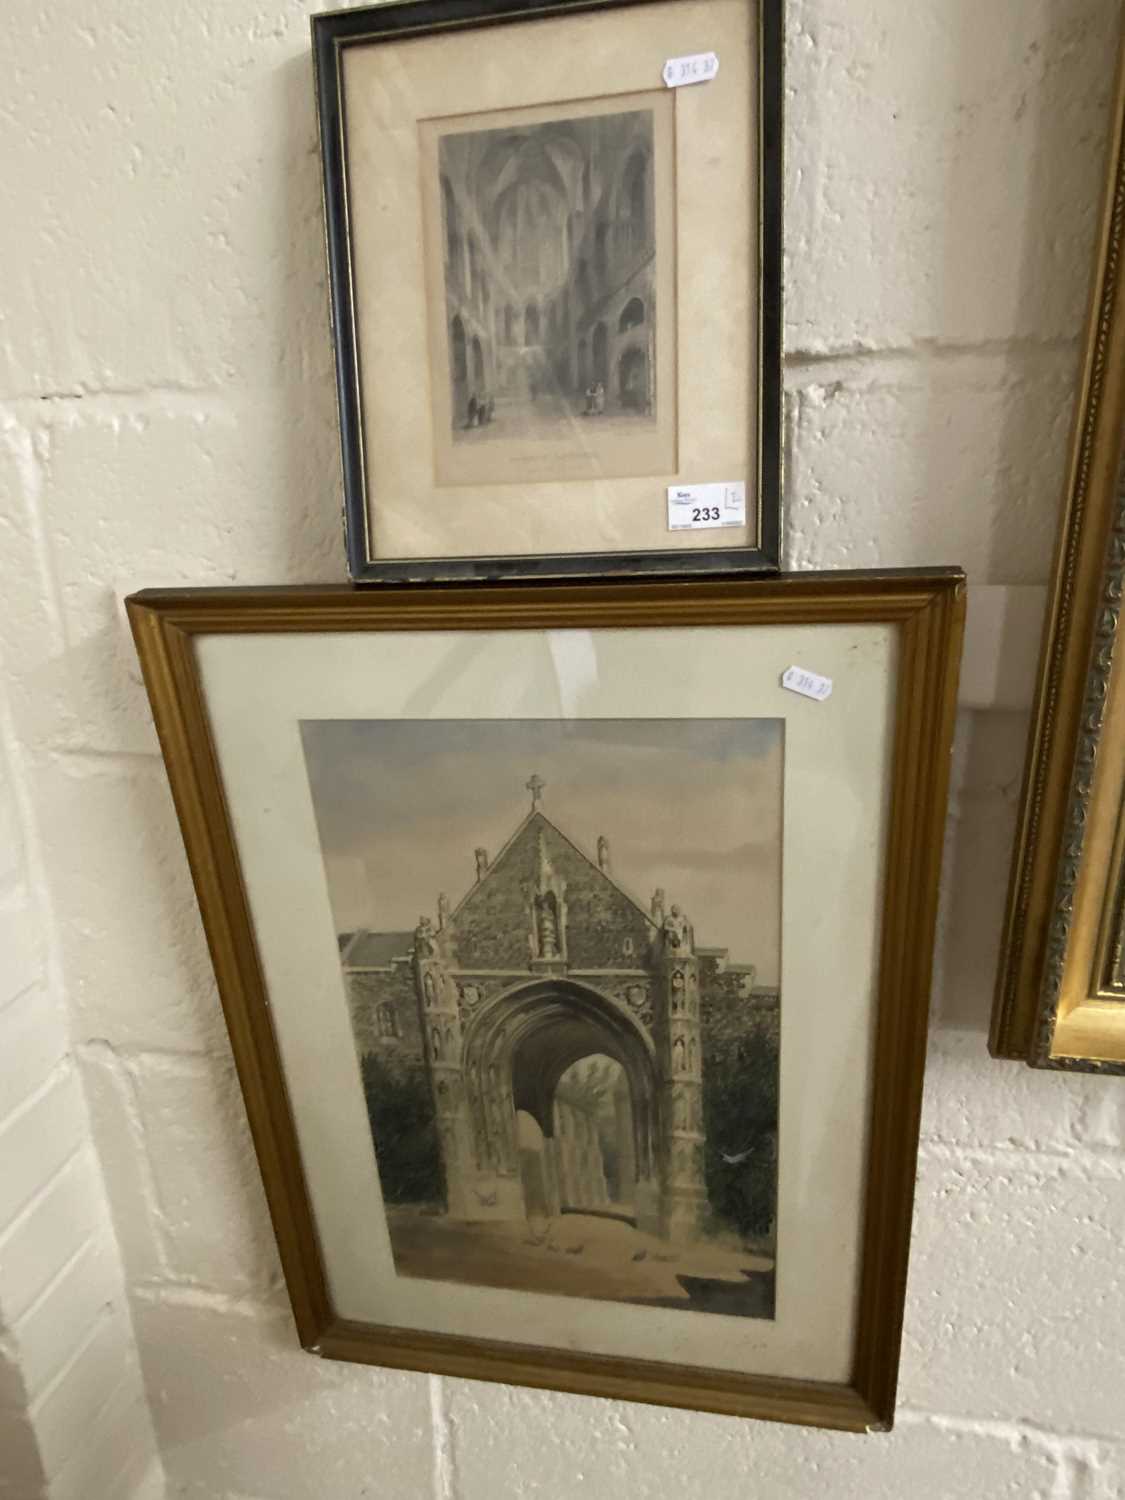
(520,929)
(1060,990)
(555,285)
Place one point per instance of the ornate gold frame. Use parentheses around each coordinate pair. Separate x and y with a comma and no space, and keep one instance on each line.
(1056,1004)
(927,610)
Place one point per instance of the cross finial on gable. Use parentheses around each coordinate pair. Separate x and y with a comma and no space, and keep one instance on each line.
(535,787)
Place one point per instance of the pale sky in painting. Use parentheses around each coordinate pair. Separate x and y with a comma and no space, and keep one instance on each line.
(691,805)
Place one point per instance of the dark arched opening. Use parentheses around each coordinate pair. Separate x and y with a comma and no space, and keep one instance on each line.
(632,315)
(632,380)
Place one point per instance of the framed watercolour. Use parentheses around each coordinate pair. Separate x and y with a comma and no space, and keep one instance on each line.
(1060,997)
(576,968)
(554,250)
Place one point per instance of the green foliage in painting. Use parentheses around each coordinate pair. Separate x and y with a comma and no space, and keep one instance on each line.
(400,1108)
(740,1097)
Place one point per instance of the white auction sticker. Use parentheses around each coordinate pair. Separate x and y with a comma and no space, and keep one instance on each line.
(699,68)
(698,507)
(808,684)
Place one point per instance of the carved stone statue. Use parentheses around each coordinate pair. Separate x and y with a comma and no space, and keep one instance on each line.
(658,906)
(425,944)
(548,924)
(603,853)
(442,911)
(482,862)
(678,931)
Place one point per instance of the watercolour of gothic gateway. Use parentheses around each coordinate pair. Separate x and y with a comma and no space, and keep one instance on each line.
(570,1090)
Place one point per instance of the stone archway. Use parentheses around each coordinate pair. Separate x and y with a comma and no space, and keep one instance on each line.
(517,1051)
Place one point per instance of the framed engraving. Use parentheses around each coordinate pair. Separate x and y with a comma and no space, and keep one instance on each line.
(555,284)
(1060,997)
(519,900)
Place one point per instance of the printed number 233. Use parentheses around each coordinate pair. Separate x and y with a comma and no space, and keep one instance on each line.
(705,513)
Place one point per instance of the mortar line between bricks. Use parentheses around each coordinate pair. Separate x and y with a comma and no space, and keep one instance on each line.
(32,469)
(94,1424)
(194,1298)
(39,886)
(104,760)
(27,1209)
(96,1049)
(126,1085)
(1106,1160)
(923,350)
(50,1386)
(1007,1429)
(16,996)
(129,399)
(442,1439)
(117,1490)
(12,1403)
(103,1314)
(62,1069)
(48,1291)
(109,395)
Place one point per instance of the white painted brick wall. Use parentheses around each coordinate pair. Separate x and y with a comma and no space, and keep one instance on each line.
(74,1420)
(167,416)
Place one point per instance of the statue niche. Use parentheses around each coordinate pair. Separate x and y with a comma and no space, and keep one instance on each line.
(547,909)
(547,925)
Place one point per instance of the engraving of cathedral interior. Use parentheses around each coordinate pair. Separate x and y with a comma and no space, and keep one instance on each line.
(570,1090)
(549,252)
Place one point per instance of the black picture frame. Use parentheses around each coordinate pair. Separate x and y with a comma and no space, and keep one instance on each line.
(336,30)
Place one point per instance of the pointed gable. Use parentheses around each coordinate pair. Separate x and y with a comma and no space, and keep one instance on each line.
(605,928)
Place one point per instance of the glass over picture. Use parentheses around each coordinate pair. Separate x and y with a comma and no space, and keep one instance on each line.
(572,1086)
(550,258)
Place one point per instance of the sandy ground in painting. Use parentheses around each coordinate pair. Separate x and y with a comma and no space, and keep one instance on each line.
(575,1255)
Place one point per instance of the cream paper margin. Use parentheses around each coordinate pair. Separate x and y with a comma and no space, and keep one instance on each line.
(837,768)
(388,89)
